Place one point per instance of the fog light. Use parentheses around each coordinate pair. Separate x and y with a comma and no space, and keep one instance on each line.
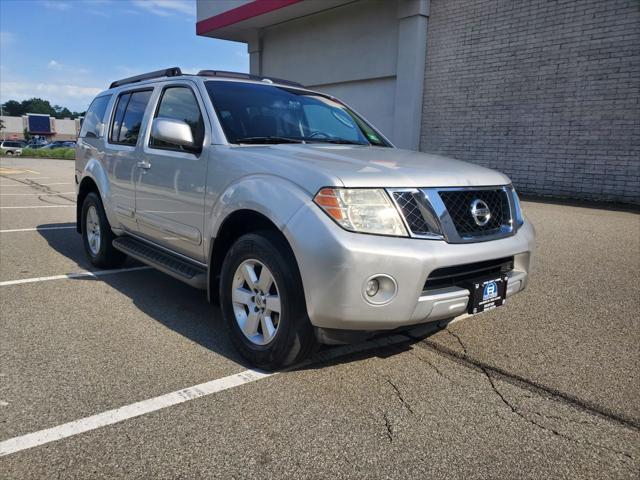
(372,287)
(379,289)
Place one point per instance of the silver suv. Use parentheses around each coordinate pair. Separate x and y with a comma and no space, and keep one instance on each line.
(11,147)
(292,211)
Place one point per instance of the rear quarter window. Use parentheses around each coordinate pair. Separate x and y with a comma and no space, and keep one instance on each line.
(93,123)
(127,121)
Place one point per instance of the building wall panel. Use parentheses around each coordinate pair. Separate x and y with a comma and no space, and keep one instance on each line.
(546,91)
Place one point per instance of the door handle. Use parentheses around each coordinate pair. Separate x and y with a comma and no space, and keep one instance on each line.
(144,164)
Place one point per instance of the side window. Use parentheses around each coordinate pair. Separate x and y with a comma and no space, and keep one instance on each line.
(179,103)
(117,117)
(93,119)
(127,120)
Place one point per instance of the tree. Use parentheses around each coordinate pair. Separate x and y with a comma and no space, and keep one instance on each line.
(1,124)
(12,108)
(65,113)
(38,105)
(26,134)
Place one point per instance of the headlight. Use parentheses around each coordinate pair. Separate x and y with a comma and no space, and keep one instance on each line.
(361,210)
(518,217)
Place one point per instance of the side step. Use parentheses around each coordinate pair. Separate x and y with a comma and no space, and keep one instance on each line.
(165,262)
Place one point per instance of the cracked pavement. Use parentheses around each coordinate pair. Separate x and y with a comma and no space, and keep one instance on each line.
(546,387)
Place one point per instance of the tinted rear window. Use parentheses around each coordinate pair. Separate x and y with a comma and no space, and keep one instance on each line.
(94,118)
(127,120)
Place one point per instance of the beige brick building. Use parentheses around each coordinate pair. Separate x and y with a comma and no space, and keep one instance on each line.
(44,126)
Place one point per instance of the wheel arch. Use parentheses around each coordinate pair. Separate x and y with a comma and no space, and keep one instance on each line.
(235,225)
(97,180)
(87,185)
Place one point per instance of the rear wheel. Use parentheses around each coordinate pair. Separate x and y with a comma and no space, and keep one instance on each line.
(97,235)
(262,302)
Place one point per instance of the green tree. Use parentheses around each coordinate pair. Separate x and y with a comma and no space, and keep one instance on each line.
(38,105)
(65,113)
(1,124)
(12,108)
(26,134)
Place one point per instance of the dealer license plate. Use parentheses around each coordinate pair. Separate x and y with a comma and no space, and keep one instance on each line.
(487,293)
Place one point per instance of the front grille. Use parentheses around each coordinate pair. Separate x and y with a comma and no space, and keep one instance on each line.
(409,207)
(458,204)
(459,275)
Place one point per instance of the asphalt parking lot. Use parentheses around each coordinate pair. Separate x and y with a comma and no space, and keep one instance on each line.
(546,387)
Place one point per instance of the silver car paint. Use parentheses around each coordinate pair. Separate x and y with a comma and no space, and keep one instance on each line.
(170,192)
(334,265)
(279,181)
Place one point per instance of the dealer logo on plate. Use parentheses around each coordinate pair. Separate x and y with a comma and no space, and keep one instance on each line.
(490,291)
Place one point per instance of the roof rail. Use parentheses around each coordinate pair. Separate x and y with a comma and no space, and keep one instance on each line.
(247,76)
(167,72)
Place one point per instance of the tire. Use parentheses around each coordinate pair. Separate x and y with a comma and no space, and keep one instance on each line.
(97,235)
(9,153)
(294,338)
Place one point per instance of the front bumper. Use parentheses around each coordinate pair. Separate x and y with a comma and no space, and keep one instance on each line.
(335,265)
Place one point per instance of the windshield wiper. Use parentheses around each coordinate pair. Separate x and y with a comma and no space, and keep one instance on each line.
(270,139)
(340,141)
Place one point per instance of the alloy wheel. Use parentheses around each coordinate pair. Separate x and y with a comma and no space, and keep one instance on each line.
(256,302)
(93,230)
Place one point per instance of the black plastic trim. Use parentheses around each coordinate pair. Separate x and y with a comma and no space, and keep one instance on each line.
(167,72)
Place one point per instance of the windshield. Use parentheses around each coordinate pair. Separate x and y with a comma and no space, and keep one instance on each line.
(254,113)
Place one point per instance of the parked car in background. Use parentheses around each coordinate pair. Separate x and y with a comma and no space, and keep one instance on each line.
(37,142)
(59,144)
(11,147)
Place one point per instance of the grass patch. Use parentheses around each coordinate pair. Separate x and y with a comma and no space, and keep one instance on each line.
(69,153)
(66,153)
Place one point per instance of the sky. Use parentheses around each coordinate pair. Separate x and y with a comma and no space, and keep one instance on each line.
(67,51)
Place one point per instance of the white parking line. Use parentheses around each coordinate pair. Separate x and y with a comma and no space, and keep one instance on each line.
(143,407)
(128,411)
(57,177)
(36,229)
(35,194)
(40,184)
(99,273)
(41,206)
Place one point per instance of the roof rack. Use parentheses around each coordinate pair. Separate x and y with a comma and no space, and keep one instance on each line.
(167,72)
(247,76)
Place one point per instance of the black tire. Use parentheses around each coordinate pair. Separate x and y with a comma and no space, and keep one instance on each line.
(106,256)
(294,338)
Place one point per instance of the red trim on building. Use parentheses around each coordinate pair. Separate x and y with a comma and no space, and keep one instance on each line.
(241,13)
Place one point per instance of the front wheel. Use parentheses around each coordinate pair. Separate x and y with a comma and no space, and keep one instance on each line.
(263,304)
(97,235)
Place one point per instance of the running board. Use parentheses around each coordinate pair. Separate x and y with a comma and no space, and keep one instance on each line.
(163,261)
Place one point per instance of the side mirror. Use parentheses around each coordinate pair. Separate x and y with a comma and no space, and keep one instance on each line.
(172,131)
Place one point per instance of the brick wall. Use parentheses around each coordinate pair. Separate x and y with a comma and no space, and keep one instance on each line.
(545,91)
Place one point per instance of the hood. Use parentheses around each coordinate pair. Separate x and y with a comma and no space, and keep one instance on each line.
(359,166)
